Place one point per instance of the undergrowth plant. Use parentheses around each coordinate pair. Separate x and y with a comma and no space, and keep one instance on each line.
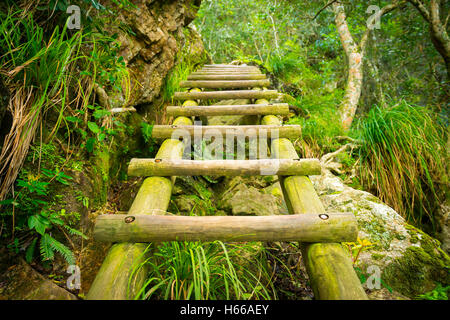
(438,293)
(209,270)
(51,73)
(403,158)
(32,209)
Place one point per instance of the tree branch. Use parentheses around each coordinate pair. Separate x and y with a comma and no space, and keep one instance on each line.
(386,9)
(423,11)
(323,8)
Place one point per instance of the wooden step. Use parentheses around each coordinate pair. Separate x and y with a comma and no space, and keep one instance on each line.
(223,95)
(225,84)
(335,227)
(265,167)
(225,65)
(282,131)
(226,76)
(224,72)
(229,70)
(231,110)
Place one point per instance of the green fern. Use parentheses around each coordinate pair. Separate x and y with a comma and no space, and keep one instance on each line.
(29,254)
(49,245)
(45,248)
(75,232)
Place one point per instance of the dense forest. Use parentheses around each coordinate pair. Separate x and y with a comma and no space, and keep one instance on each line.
(85,84)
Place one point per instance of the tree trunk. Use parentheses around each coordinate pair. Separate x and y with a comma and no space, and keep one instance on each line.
(439,35)
(438,32)
(355,55)
(349,104)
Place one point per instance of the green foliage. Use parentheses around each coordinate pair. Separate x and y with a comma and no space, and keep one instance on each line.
(320,122)
(202,271)
(283,66)
(31,208)
(44,63)
(402,159)
(438,293)
(146,130)
(179,73)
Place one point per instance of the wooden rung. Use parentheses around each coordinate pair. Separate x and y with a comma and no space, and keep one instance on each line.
(224,72)
(269,131)
(226,77)
(336,227)
(264,167)
(231,110)
(225,84)
(229,67)
(222,95)
(243,70)
(225,66)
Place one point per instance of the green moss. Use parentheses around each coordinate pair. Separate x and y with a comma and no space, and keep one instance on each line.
(420,267)
(378,256)
(378,234)
(101,166)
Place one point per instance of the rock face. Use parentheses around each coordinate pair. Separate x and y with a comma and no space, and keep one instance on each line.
(27,284)
(156,33)
(410,261)
(250,196)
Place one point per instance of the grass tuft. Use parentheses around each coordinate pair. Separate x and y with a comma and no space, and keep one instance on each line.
(403,159)
(207,271)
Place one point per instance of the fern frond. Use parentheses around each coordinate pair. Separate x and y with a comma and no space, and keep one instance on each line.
(45,247)
(61,249)
(30,251)
(75,232)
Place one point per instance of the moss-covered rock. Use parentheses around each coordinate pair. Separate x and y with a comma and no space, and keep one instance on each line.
(240,197)
(411,262)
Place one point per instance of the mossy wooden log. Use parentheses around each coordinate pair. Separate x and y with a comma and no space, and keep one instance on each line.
(229,68)
(225,73)
(227,77)
(226,65)
(223,95)
(175,131)
(222,71)
(224,84)
(221,65)
(329,265)
(175,167)
(305,228)
(118,277)
(231,110)
(217,71)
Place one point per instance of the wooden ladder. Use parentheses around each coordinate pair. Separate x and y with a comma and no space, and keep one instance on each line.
(328,264)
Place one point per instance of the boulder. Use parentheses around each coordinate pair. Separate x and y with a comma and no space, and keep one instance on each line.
(410,261)
(240,198)
(19,281)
